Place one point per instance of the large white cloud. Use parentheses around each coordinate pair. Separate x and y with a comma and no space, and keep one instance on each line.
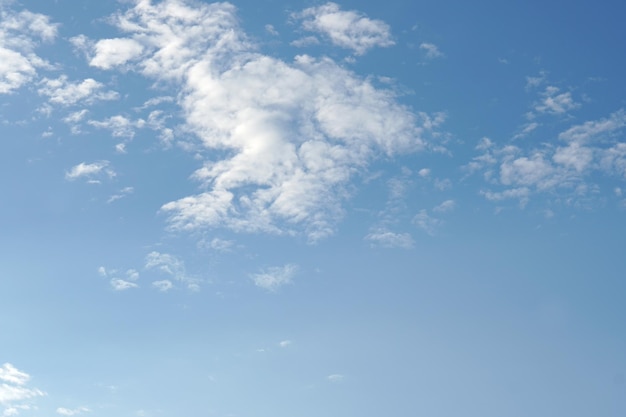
(287,136)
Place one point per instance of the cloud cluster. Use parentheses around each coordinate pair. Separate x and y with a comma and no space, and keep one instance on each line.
(582,150)
(120,284)
(20,34)
(66,93)
(285,137)
(14,393)
(346,29)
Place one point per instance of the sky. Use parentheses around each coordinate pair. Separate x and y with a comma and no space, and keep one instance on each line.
(305,209)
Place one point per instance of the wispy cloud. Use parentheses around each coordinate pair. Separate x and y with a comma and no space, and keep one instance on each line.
(273,278)
(90,171)
(335,377)
(14,392)
(72,412)
(172,266)
(427,223)
(431,50)
(346,29)
(388,239)
(554,102)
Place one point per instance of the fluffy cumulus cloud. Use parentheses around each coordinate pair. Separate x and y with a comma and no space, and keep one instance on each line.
(583,149)
(15,395)
(292,133)
(110,53)
(346,29)
(273,278)
(20,34)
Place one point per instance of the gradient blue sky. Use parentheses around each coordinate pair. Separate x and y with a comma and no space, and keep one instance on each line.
(279,209)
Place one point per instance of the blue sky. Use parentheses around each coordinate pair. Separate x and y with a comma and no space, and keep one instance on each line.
(312,209)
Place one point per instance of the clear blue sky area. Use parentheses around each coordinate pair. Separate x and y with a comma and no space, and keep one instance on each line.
(306,209)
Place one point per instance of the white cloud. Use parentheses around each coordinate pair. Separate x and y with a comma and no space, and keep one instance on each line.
(346,29)
(72,412)
(427,223)
(20,33)
(66,93)
(555,103)
(121,194)
(121,285)
(294,133)
(120,126)
(335,377)
(163,285)
(89,171)
(108,53)
(306,41)
(14,393)
(285,343)
(431,50)
(388,239)
(446,206)
(271,30)
(172,266)
(221,245)
(273,278)
(593,146)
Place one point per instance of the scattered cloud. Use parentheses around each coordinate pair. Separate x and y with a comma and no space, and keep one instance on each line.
(72,412)
(120,126)
(593,146)
(63,92)
(445,207)
(427,223)
(121,194)
(388,239)
(163,285)
(170,265)
(15,395)
(273,278)
(220,245)
(121,285)
(90,171)
(20,34)
(346,29)
(285,343)
(554,102)
(431,50)
(271,30)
